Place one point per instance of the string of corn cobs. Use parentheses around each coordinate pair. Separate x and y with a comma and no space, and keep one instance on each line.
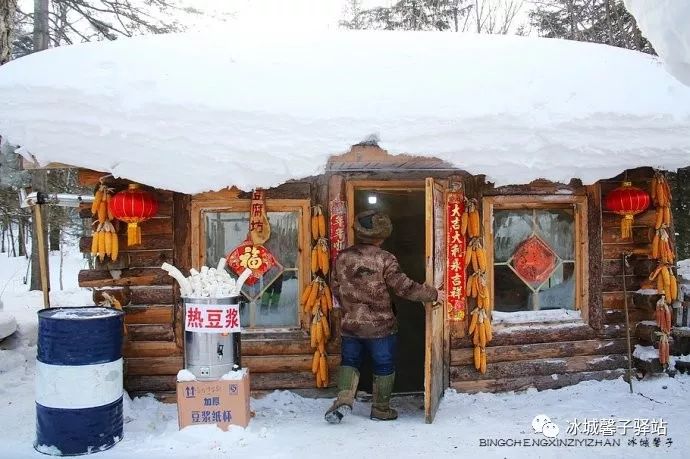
(316,299)
(105,241)
(477,285)
(666,281)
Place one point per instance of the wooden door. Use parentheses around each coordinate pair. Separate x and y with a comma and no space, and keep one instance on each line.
(435,366)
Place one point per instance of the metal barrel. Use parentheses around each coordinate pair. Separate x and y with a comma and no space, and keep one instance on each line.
(78,380)
(211,355)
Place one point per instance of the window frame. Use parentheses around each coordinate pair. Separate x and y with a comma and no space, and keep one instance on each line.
(228,201)
(530,202)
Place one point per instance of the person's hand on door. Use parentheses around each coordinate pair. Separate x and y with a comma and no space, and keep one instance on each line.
(440,296)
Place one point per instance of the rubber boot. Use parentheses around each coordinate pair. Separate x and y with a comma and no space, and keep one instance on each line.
(380,406)
(348,378)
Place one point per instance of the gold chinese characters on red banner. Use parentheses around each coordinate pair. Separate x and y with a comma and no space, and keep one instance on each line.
(337,216)
(456,246)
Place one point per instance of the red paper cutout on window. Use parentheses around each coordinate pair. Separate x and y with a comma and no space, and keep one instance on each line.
(255,257)
(534,261)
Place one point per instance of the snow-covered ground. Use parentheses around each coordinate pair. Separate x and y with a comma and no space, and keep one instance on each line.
(287,425)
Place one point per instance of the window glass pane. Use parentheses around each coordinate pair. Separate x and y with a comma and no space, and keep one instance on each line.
(511,227)
(277,306)
(510,293)
(559,291)
(555,226)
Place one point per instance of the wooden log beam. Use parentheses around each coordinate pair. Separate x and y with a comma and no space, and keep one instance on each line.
(283,363)
(533,333)
(538,382)
(127,277)
(150,332)
(612,221)
(540,351)
(148,242)
(140,349)
(257,347)
(153,366)
(151,295)
(149,314)
(539,367)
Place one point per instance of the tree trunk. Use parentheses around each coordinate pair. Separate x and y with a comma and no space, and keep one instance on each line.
(4,233)
(39,182)
(7,9)
(54,238)
(14,252)
(21,237)
(41,25)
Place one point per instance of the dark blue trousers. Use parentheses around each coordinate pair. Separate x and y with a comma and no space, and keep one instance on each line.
(382,351)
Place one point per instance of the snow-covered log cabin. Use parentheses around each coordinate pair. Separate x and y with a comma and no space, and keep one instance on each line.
(535,133)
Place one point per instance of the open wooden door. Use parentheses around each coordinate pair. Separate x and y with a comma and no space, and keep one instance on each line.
(435,366)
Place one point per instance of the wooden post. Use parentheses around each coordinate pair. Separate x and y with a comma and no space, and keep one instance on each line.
(627,321)
(42,255)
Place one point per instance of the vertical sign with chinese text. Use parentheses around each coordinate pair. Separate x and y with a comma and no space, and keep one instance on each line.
(455,260)
(337,226)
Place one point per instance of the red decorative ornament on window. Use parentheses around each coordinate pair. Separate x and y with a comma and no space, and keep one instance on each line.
(627,201)
(133,206)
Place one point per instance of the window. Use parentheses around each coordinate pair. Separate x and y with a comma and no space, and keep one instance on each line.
(535,247)
(273,301)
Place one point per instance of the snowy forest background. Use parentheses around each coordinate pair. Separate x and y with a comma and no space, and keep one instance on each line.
(28,26)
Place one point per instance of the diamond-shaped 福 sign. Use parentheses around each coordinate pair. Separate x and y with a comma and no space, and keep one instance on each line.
(534,261)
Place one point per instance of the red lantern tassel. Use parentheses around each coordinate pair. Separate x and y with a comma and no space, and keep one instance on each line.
(626,226)
(133,234)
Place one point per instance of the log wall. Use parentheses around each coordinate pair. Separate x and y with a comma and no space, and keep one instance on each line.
(520,356)
(548,356)
(153,347)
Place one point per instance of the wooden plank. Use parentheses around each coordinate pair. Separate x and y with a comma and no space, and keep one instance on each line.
(617,316)
(539,382)
(134,349)
(125,277)
(541,351)
(150,383)
(149,314)
(295,380)
(148,242)
(637,267)
(164,210)
(147,258)
(256,347)
(165,396)
(614,300)
(539,367)
(182,254)
(612,221)
(615,251)
(641,235)
(284,363)
(151,295)
(150,332)
(590,272)
(615,283)
(153,365)
(534,333)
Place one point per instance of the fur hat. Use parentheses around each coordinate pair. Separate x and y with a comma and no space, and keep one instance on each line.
(372,225)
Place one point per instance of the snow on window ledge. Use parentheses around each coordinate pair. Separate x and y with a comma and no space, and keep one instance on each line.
(545,316)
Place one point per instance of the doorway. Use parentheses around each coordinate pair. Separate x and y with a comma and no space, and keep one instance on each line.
(405,205)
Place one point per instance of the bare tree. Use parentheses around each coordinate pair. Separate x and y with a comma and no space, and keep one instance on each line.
(7,12)
(495,16)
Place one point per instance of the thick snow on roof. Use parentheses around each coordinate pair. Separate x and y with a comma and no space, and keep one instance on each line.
(666,23)
(194,113)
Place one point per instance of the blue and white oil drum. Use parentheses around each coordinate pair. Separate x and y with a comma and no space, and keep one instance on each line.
(78,380)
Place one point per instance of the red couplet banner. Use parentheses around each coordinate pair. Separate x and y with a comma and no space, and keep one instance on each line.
(455,260)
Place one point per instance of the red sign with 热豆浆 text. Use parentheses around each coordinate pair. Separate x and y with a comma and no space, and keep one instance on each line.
(212,318)
(456,246)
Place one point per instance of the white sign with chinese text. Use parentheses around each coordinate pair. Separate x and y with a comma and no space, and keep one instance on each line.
(212,318)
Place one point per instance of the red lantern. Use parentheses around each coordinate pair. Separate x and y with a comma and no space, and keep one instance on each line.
(133,206)
(628,201)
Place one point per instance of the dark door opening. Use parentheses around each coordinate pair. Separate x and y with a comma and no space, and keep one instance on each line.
(406,209)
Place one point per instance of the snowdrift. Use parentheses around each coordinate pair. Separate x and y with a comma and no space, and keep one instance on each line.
(193,113)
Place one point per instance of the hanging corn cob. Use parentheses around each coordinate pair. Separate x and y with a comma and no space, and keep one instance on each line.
(317,303)
(104,241)
(477,285)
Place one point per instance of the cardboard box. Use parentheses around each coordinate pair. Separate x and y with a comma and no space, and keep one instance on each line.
(221,402)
